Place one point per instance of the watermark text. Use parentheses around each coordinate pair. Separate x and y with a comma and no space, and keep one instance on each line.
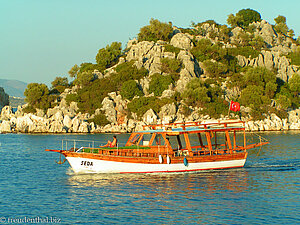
(29,220)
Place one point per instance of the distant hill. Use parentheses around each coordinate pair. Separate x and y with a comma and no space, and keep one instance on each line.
(13,87)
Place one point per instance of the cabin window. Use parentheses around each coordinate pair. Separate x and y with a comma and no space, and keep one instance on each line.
(177,142)
(159,140)
(134,140)
(146,139)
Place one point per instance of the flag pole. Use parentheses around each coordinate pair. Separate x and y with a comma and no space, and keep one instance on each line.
(229,109)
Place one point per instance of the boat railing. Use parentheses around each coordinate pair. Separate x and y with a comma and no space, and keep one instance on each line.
(202,124)
(79,145)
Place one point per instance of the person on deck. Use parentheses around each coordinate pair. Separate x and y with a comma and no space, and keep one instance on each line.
(112,143)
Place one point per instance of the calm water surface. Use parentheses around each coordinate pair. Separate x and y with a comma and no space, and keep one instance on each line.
(32,186)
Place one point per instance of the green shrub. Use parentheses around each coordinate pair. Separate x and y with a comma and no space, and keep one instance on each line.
(109,56)
(141,105)
(215,69)
(129,71)
(159,83)
(130,89)
(261,77)
(283,102)
(224,34)
(90,97)
(195,93)
(89,67)
(84,78)
(72,98)
(257,113)
(169,65)
(294,57)
(205,50)
(100,120)
(294,84)
(257,43)
(155,31)
(210,22)
(215,109)
(243,18)
(37,96)
(171,48)
(29,109)
(246,51)
(285,89)
(253,96)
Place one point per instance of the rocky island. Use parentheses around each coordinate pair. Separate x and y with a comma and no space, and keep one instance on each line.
(171,74)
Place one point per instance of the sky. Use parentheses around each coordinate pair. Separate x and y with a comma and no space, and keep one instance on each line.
(42,39)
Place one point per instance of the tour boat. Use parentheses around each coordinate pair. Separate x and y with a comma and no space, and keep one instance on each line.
(176,147)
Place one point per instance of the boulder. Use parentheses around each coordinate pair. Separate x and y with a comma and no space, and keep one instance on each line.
(5,127)
(108,106)
(23,123)
(191,69)
(6,113)
(58,116)
(84,128)
(67,122)
(182,40)
(168,113)
(150,117)
(75,124)
(265,31)
(19,111)
(167,93)
(56,127)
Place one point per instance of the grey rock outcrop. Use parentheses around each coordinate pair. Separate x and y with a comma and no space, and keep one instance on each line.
(182,40)
(271,60)
(108,107)
(191,70)
(168,113)
(150,117)
(266,31)
(6,113)
(5,127)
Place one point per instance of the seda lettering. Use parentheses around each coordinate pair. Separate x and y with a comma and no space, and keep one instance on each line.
(86,163)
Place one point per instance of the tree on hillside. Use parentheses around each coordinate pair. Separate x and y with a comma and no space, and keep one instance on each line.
(243,18)
(109,56)
(37,95)
(155,31)
(74,71)
(195,93)
(130,89)
(261,77)
(60,84)
(294,84)
(280,19)
(281,26)
(159,83)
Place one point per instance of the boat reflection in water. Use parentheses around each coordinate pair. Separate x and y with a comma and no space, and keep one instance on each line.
(235,180)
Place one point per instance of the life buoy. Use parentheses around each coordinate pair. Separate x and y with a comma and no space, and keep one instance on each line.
(160,158)
(185,161)
(168,159)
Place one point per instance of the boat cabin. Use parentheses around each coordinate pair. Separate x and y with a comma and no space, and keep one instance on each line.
(190,139)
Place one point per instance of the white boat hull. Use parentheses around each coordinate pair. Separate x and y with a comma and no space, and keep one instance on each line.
(86,165)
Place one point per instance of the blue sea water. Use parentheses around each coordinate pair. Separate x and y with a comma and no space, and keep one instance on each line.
(34,189)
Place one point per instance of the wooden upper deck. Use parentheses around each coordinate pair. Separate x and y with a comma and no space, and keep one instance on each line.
(193,127)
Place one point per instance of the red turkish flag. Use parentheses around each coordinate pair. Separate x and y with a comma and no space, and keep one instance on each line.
(234,106)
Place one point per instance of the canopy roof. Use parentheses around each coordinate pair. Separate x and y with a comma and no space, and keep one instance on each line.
(193,127)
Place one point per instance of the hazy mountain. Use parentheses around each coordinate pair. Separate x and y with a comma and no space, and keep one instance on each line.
(13,87)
